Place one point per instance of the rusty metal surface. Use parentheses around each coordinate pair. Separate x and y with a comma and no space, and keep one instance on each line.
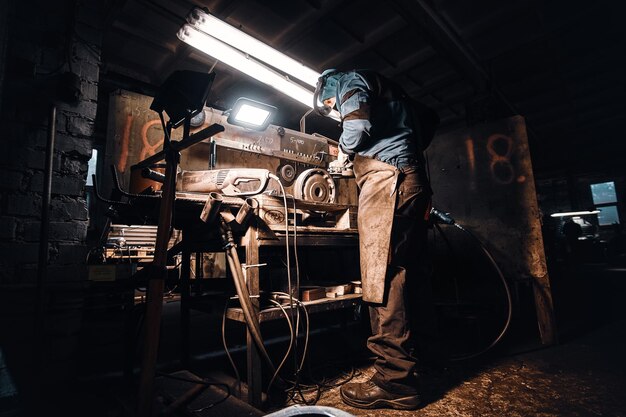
(483,176)
(134,133)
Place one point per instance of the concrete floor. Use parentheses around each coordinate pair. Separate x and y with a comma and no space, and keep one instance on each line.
(582,377)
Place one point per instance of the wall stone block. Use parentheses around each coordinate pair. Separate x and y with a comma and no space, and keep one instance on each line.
(61,184)
(74,146)
(15,253)
(78,125)
(66,208)
(24,204)
(74,231)
(11,180)
(8,226)
(63,253)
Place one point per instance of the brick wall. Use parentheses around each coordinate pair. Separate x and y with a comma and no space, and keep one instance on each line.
(40,42)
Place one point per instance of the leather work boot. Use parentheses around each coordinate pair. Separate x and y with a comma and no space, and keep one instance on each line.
(369,395)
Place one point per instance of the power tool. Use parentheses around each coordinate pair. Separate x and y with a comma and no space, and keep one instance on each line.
(224,181)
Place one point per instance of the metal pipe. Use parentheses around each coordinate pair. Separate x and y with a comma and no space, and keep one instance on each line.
(211,207)
(44,230)
(303,121)
(246,210)
(247,308)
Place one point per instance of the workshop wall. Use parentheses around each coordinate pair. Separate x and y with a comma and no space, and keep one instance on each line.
(51,55)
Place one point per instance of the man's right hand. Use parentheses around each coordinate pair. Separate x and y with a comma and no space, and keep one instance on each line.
(342,165)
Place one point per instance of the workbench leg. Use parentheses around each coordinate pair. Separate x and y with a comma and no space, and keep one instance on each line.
(185,282)
(255,378)
(131,320)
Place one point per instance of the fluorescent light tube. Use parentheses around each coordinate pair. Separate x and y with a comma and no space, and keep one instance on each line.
(574,213)
(246,64)
(226,33)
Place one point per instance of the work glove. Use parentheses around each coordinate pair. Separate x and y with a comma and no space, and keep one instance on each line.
(342,165)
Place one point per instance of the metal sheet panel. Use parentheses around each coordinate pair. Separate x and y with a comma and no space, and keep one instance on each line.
(483,176)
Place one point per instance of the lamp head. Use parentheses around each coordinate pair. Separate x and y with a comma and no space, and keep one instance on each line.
(251,114)
(183,94)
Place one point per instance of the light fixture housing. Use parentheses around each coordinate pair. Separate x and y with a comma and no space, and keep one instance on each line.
(251,114)
(574,213)
(212,26)
(249,61)
(244,63)
(183,94)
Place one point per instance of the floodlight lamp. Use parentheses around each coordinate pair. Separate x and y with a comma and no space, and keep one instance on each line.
(251,114)
(183,94)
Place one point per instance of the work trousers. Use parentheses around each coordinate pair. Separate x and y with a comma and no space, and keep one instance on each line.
(408,300)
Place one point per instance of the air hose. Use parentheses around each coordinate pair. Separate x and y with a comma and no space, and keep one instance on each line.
(252,321)
(445,218)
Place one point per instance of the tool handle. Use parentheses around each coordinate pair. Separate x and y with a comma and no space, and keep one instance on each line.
(442,217)
(153,175)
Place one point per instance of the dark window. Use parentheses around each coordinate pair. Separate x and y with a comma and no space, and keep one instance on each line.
(605,200)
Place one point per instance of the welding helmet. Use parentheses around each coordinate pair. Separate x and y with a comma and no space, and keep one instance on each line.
(326,88)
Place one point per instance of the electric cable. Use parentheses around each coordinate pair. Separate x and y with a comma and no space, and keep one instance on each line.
(297,290)
(228,355)
(284,194)
(253,325)
(295,246)
(288,255)
(295,389)
(323,386)
(298,388)
(291,341)
(447,219)
(242,290)
(204,382)
(506,289)
(307,327)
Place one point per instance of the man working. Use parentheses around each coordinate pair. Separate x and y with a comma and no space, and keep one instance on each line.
(385,136)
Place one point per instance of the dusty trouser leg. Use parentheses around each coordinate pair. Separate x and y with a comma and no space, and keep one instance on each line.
(391,339)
